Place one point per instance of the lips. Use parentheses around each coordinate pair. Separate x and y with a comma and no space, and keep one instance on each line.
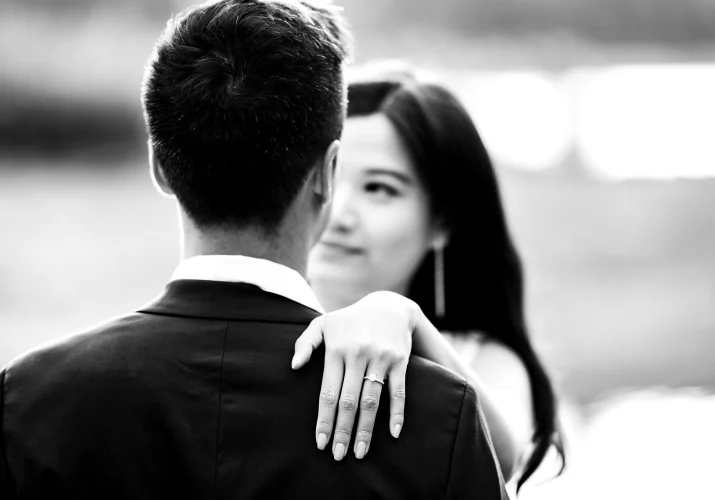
(342,248)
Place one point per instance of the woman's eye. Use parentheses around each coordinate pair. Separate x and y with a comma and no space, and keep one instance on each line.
(381,189)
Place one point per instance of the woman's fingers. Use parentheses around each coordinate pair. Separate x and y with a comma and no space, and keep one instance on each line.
(369,402)
(347,407)
(333,373)
(307,343)
(397,398)
(368,333)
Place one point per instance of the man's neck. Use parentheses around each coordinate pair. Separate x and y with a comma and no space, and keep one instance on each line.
(287,248)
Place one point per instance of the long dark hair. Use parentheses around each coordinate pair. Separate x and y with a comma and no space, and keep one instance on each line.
(483,277)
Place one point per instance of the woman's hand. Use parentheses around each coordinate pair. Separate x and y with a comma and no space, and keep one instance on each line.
(371,337)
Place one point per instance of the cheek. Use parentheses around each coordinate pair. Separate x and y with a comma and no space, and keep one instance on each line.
(398,238)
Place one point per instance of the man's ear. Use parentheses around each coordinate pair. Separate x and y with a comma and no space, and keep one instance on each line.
(325,173)
(157,174)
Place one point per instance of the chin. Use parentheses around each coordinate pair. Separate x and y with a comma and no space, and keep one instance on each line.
(332,280)
(324,264)
(326,275)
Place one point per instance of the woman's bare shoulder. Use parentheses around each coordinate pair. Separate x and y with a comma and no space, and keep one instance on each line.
(490,355)
(468,344)
(504,373)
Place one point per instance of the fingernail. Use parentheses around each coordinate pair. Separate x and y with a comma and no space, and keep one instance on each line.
(322,441)
(361,448)
(339,451)
(398,428)
(294,363)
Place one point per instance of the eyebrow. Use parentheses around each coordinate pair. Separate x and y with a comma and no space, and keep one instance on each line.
(404,178)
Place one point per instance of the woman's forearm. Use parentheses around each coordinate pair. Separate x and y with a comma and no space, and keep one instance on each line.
(429,343)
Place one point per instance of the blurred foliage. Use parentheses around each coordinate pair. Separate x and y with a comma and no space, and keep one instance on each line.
(665,21)
(76,81)
(80,9)
(41,124)
(668,21)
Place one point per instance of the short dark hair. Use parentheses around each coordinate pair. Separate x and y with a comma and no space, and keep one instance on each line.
(241,97)
(455,168)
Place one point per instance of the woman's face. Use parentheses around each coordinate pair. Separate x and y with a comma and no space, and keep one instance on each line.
(380,226)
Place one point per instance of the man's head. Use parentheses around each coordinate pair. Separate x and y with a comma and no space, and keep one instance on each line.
(244,100)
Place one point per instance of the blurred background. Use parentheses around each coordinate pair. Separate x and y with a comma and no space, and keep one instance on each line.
(600,115)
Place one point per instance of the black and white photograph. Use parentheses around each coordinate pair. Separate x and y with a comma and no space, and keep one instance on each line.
(359,249)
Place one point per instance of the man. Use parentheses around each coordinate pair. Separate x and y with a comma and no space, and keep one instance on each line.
(193,396)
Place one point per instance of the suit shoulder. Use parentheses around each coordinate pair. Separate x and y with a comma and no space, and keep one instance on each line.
(425,367)
(428,380)
(75,349)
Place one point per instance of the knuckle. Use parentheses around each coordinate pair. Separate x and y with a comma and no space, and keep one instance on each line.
(342,434)
(369,402)
(386,355)
(327,396)
(324,424)
(393,356)
(340,351)
(364,435)
(364,351)
(347,402)
(399,394)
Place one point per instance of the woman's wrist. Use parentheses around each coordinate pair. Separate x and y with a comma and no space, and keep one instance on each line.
(422,330)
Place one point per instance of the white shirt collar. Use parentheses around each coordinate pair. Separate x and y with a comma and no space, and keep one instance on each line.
(265,274)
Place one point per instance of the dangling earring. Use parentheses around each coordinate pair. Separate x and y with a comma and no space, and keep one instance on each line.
(439,298)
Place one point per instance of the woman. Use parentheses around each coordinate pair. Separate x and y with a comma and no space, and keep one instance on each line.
(417,218)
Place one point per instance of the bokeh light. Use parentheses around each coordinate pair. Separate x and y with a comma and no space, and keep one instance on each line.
(648,121)
(524,118)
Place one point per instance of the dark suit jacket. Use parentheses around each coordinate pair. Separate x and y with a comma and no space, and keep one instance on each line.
(194,397)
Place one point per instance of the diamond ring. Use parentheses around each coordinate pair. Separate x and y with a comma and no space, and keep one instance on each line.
(373,378)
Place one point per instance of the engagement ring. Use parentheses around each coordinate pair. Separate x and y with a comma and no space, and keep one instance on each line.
(373,378)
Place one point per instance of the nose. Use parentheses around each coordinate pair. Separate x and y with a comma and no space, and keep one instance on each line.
(344,217)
